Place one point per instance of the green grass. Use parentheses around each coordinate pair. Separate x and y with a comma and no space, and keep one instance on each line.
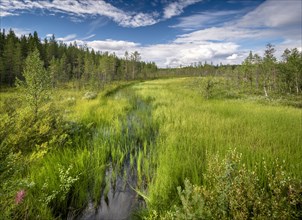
(166,130)
(120,123)
(193,129)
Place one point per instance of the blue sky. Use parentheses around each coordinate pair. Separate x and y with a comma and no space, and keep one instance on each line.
(170,33)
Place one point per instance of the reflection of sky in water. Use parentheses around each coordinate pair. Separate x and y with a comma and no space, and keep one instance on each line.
(120,202)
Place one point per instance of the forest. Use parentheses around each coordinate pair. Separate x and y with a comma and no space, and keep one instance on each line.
(68,62)
(89,135)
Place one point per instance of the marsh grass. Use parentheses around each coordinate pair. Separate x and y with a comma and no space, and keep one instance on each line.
(167,131)
(64,178)
(193,129)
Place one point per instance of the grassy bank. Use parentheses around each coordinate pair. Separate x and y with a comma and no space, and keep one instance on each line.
(194,130)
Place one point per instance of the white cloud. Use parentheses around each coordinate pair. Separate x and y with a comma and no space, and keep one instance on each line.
(81,8)
(88,37)
(274,13)
(225,33)
(224,43)
(96,23)
(176,8)
(269,21)
(172,54)
(176,54)
(206,18)
(5,13)
(19,31)
(272,18)
(165,54)
(113,46)
(232,57)
(69,37)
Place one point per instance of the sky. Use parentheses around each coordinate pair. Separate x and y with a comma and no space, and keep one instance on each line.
(170,33)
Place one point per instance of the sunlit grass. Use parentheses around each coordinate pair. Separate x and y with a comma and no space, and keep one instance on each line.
(166,131)
(193,129)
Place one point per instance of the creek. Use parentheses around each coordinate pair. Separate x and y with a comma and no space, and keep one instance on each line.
(120,199)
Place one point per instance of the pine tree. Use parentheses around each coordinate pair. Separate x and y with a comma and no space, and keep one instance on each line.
(10,61)
(37,82)
(135,58)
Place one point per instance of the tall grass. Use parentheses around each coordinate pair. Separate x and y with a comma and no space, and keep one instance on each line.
(59,181)
(193,129)
(117,126)
(165,131)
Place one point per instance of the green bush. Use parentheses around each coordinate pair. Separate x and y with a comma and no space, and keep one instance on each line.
(232,191)
(24,132)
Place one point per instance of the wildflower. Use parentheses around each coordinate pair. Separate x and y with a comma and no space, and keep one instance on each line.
(20,196)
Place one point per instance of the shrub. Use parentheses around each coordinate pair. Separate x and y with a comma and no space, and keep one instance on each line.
(232,191)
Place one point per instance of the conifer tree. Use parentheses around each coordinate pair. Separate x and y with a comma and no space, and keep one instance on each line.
(37,82)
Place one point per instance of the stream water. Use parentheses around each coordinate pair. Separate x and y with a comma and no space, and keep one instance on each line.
(122,200)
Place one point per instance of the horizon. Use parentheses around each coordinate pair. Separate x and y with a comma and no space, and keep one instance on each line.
(200,31)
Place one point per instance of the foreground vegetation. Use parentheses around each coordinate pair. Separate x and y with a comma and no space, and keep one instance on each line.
(195,137)
(196,153)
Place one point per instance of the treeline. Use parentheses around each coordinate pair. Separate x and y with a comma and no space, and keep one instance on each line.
(68,62)
(256,74)
(86,67)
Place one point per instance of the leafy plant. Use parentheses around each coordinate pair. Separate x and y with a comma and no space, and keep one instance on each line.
(232,191)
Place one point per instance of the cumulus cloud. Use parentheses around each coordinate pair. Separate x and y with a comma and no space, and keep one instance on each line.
(113,45)
(176,54)
(232,57)
(218,44)
(224,43)
(165,54)
(270,20)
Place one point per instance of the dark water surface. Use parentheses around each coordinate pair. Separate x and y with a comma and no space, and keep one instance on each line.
(120,202)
